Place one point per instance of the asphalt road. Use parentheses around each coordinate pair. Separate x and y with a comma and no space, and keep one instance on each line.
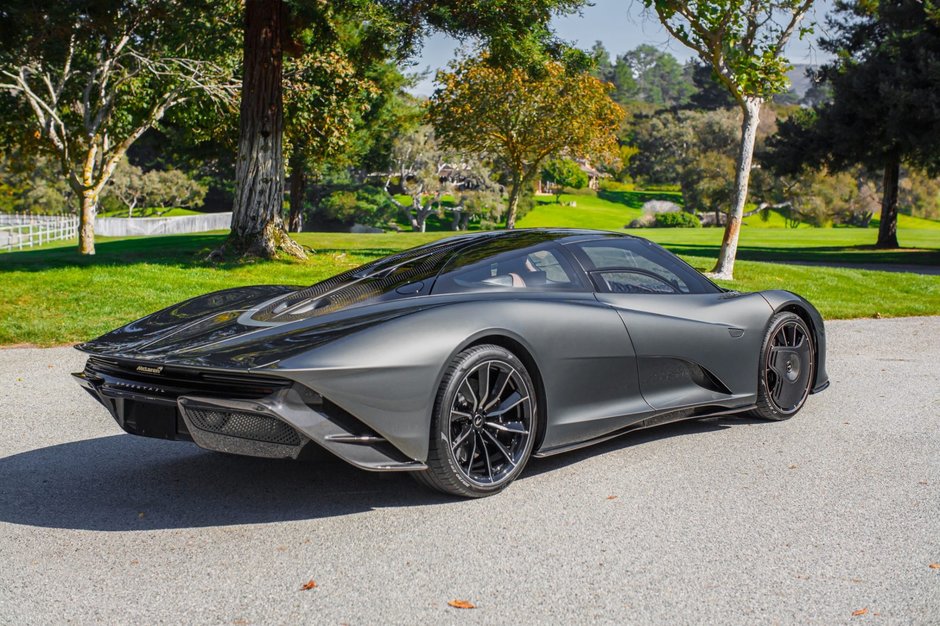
(720,521)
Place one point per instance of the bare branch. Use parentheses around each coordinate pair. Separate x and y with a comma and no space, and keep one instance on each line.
(796,17)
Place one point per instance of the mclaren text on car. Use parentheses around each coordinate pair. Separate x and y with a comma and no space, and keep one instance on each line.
(459,360)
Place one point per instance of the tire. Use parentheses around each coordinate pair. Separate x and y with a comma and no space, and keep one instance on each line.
(787,367)
(484,424)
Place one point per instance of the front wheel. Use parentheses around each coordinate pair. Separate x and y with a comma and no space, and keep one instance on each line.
(786,368)
(484,424)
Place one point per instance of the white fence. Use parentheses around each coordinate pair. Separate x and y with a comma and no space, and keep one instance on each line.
(19,230)
(144,226)
(22,230)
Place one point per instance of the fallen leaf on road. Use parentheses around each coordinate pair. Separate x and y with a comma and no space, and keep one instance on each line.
(935,566)
(310,584)
(611,497)
(859,612)
(791,467)
(461,604)
(141,515)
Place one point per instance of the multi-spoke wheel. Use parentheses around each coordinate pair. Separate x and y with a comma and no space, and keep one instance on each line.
(484,423)
(786,367)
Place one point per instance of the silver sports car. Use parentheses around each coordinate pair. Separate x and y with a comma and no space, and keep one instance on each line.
(461,359)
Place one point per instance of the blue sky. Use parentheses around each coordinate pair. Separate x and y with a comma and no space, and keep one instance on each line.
(621,25)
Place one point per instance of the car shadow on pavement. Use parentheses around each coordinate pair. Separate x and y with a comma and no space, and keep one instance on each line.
(123,483)
(636,438)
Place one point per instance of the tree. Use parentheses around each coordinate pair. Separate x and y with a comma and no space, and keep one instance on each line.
(602,68)
(742,41)
(519,120)
(419,163)
(656,77)
(707,178)
(663,142)
(426,172)
(885,100)
(162,189)
(564,173)
(515,29)
(476,193)
(328,91)
(85,80)
(127,185)
(33,184)
(709,94)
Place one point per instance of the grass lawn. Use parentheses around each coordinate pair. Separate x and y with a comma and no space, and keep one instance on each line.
(822,245)
(52,295)
(613,210)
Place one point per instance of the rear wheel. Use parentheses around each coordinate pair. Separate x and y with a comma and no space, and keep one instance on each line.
(484,424)
(786,367)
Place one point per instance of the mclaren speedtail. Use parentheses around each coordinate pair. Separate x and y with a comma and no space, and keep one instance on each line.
(461,359)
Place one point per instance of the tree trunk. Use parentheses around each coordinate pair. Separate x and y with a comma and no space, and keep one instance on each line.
(86,230)
(724,268)
(298,187)
(514,193)
(257,224)
(888,227)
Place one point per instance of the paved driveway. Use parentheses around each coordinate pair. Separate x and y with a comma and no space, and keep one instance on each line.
(719,521)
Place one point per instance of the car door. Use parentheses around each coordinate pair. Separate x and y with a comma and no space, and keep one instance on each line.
(695,343)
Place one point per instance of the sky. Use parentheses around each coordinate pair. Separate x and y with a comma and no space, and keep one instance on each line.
(620,25)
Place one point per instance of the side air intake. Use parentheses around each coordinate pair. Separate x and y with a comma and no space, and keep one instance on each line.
(244,426)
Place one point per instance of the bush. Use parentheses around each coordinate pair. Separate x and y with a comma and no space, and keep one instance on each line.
(647,220)
(366,205)
(677,220)
(613,185)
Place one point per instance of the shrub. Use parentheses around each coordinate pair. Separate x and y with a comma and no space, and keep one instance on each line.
(647,220)
(366,205)
(677,220)
(613,185)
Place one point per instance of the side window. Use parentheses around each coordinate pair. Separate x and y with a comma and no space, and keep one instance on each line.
(519,269)
(634,281)
(633,266)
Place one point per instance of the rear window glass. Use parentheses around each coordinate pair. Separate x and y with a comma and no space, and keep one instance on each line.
(485,267)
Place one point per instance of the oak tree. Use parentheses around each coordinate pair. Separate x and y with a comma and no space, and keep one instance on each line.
(519,119)
(84,80)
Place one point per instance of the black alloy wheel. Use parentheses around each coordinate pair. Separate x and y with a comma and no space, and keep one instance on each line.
(484,424)
(787,367)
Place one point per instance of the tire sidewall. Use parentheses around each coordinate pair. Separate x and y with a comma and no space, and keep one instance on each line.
(463,364)
(766,407)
